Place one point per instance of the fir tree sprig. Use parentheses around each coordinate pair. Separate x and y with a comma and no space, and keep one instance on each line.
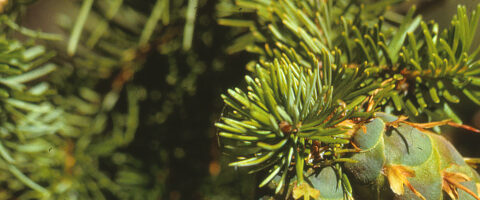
(289,106)
(398,65)
(415,53)
(422,58)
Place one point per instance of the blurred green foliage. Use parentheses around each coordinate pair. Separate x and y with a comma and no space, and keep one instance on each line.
(95,112)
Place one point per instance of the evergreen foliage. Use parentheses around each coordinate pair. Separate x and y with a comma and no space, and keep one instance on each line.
(415,54)
(67,112)
(325,70)
(321,115)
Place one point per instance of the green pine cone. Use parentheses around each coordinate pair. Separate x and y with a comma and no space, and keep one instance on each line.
(397,161)
(406,163)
